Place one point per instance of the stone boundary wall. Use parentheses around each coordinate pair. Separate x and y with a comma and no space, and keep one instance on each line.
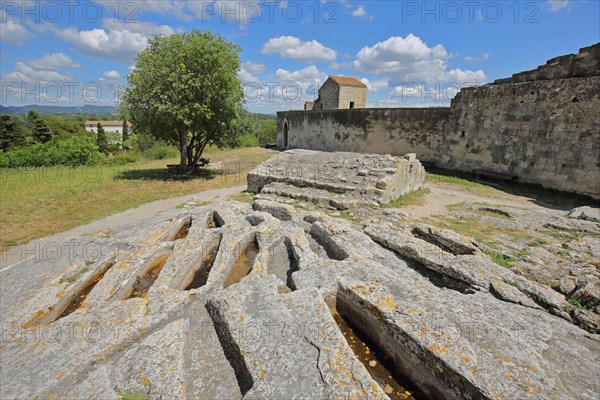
(586,63)
(540,126)
(545,132)
(396,131)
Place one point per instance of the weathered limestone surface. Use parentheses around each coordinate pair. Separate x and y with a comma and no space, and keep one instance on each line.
(585,213)
(233,301)
(339,180)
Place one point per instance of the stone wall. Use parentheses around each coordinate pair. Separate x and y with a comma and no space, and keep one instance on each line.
(328,96)
(395,131)
(545,132)
(540,126)
(352,93)
(583,64)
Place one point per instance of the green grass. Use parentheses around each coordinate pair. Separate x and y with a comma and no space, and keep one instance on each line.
(132,396)
(39,202)
(244,197)
(500,259)
(574,303)
(77,275)
(465,184)
(503,260)
(455,180)
(537,243)
(416,198)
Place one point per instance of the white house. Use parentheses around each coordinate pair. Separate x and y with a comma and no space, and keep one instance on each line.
(113,129)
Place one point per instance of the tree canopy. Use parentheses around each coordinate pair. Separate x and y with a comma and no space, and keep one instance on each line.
(11,134)
(39,128)
(101,141)
(184,89)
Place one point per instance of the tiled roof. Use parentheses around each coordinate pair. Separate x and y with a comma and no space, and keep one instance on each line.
(107,123)
(346,81)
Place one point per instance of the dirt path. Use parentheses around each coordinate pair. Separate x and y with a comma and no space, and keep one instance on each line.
(20,253)
(442,195)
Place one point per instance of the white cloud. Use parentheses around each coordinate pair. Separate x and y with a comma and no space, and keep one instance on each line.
(360,12)
(310,73)
(42,70)
(477,59)
(284,90)
(409,59)
(112,74)
(256,68)
(53,62)
(246,77)
(465,76)
(342,65)
(25,73)
(12,30)
(557,5)
(121,45)
(131,10)
(145,28)
(374,86)
(293,47)
(120,42)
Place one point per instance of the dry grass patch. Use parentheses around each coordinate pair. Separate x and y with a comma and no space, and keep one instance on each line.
(416,198)
(466,185)
(39,202)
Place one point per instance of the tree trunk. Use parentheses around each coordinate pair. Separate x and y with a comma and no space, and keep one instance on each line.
(183,150)
(199,152)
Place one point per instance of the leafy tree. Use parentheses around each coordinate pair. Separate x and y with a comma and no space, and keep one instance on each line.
(125,131)
(11,132)
(185,90)
(246,126)
(267,133)
(39,128)
(65,126)
(102,141)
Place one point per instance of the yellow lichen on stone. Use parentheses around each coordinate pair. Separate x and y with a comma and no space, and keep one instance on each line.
(387,303)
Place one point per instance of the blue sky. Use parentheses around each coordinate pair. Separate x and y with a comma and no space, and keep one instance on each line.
(410,53)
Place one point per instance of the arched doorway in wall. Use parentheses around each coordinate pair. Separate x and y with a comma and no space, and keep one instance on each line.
(285,134)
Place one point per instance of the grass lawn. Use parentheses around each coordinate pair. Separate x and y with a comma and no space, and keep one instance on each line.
(39,202)
(465,184)
(416,198)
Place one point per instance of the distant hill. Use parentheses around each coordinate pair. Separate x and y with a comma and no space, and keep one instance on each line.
(86,109)
(265,116)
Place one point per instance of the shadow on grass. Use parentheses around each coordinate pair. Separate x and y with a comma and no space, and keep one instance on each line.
(169,174)
(549,198)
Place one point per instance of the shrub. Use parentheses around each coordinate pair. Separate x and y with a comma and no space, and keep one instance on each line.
(122,159)
(247,141)
(71,152)
(161,152)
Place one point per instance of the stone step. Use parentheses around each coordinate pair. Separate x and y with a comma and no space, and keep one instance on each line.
(320,197)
